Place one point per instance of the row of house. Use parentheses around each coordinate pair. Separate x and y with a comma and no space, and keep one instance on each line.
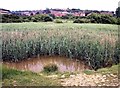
(27,12)
(4,11)
(64,13)
(56,12)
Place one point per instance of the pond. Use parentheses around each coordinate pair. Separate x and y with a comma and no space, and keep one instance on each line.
(36,64)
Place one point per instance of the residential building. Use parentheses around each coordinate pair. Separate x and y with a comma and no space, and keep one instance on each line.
(4,11)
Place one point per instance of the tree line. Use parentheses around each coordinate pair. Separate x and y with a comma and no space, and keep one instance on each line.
(12,18)
(92,18)
(98,18)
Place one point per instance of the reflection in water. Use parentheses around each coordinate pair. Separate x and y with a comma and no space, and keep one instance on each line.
(37,64)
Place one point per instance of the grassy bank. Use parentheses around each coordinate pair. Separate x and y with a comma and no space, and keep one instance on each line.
(12,77)
(96,44)
(19,78)
(108,70)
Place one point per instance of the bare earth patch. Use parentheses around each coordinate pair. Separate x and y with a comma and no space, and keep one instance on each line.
(91,80)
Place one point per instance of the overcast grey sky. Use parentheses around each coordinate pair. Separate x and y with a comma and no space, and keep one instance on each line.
(110,5)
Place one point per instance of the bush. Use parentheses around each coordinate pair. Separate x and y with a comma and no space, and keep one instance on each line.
(43,18)
(58,21)
(47,18)
(102,18)
(81,21)
(11,18)
(118,20)
(106,19)
(17,19)
(50,68)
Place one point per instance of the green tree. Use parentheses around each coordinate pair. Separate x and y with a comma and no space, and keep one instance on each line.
(118,12)
(102,18)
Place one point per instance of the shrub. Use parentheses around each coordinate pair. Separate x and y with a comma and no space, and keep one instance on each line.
(11,18)
(118,20)
(47,18)
(81,21)
(108,19)
(16,19)
(58,21)
(102,18)
(50,68)
(43,18)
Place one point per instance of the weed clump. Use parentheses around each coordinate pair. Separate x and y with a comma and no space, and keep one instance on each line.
(50,68)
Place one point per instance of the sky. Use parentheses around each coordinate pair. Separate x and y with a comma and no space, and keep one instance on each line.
(108,5)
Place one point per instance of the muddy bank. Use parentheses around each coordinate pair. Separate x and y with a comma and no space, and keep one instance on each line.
(37,64)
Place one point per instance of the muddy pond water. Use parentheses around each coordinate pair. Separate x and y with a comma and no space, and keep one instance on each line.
(36,64)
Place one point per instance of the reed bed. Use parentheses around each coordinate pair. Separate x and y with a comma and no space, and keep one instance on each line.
(96,44)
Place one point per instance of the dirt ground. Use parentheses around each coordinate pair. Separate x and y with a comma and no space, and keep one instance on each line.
(91,80)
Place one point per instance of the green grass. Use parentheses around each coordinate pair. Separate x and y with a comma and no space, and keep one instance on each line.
(108,70)
(50,25)
(113,70)
(13,77)
(88,72)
